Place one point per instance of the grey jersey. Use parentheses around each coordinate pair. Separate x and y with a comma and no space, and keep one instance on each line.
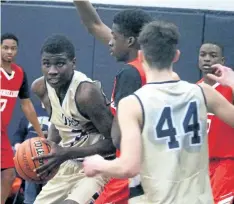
(175,149)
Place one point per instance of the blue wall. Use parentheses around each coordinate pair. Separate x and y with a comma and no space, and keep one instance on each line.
(32,23)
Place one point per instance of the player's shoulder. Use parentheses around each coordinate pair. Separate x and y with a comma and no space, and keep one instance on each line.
(39,87)
(128,70)
(17,68)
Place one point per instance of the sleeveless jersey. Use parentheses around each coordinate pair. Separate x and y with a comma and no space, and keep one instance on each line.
(137,65)
(67,118)
(10,86)
(174,137)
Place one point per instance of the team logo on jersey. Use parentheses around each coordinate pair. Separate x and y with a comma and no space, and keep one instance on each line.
(70,121)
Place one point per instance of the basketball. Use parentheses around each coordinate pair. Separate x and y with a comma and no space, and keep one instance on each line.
(24,164)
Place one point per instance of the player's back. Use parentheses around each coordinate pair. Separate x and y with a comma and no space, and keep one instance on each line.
(175,152)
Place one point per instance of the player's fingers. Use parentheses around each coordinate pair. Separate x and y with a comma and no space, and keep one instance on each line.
(47,142)
(44,172)
(48,156)
(213,77)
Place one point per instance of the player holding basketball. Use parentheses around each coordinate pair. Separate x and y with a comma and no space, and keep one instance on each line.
(122,40)
(221,140)
(166,122)
(14,83)
(81,125)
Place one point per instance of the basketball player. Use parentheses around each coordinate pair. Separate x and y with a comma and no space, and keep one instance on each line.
(14,83)
(221,159)
(122,41)
(81,123)
(163,127)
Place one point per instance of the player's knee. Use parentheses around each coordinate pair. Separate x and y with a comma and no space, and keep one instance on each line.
(69,202)
(8,175)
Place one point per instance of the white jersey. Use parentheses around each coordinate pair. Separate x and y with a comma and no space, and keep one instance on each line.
(175,150)
(67,118)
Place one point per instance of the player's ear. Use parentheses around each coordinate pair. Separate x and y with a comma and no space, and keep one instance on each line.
(223,60)
(177,56)
(74,63)
(131,41)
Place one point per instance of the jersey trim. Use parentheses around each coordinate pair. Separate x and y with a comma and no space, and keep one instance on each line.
(203,94)
(163,82)
(143,111)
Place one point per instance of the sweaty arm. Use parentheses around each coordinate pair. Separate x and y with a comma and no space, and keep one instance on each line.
(28,108)
(130,121)
(127,82)
(39,89)
(92,104)
(92,21)
(218,105)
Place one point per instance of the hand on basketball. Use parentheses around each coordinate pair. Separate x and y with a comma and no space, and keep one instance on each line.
(92,165)
(223,75)
(53,160)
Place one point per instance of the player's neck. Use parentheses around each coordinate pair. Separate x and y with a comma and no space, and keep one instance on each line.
(159,76)
(6,66)
(208,81)
(132,55)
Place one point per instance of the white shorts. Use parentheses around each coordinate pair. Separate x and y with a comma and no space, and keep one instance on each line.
(70,183)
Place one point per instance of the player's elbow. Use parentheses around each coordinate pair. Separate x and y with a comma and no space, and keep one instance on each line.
(131,170)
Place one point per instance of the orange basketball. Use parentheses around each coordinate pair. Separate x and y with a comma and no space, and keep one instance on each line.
(23,159)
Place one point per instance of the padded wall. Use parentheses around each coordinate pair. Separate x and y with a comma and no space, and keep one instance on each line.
(220,29)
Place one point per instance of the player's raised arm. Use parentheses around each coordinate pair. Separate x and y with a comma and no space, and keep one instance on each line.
(218,105)
(92,21)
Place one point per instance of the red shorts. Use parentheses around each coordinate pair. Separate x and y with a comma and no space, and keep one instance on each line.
(116,191)
(222,180)
(6,151)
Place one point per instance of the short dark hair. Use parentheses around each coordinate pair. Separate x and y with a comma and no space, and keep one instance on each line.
(9,36)
(56,44)
(131,21)
(215,43)
(158,41)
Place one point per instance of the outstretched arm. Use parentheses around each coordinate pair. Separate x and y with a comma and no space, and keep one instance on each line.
(92,21)
(218,105)
(129,163)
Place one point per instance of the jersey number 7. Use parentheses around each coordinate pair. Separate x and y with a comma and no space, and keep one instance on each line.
(190,124)
(3,103)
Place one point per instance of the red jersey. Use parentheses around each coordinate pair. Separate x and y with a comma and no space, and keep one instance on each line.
(138,66)
(117,190)
(10,86)
(221,135)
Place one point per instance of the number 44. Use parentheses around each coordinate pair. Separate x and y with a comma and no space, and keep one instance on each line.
(171,132)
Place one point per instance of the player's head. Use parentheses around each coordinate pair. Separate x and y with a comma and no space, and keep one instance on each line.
(158,41)
(126,28)
(209,54)
(9,47)
(58,60)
